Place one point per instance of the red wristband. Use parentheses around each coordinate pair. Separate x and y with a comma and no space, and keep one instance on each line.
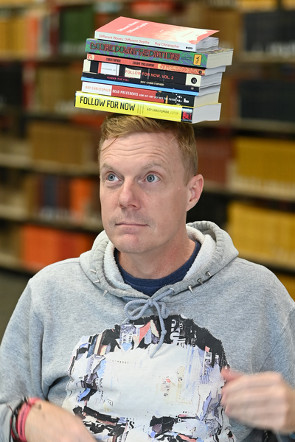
(22,417)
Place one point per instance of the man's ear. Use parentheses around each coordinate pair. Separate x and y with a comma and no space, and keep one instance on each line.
(195,188)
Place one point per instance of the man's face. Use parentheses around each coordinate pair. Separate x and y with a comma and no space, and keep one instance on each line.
(144,197)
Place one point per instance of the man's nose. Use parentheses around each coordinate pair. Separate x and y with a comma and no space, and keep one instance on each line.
(129,194)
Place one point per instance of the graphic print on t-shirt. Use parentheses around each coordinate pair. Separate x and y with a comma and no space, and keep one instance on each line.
(124,395)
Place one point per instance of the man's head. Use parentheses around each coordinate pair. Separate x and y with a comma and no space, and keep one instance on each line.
(148,182)
(118,125)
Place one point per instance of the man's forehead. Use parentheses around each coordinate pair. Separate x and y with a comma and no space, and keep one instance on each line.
(141,138)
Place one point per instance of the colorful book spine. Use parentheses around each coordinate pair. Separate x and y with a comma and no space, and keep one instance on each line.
(202,91)
(151,65)
(200,59)
(138,81)
(146,109)
(148,94)
(153,76)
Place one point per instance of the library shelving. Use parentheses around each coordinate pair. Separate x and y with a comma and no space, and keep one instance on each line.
(48,149)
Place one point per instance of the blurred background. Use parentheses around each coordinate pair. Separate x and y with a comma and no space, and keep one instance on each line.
(49,207)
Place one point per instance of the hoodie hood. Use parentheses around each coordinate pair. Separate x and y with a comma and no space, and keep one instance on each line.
(217,251)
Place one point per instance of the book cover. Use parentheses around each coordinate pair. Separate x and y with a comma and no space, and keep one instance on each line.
(210,59)
(151,65)
(148,33)
(152,76)
(210,112)
(195,91)
(158,96)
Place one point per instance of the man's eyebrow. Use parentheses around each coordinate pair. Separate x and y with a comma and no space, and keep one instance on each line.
(106,166)
(152,165)
(147,166)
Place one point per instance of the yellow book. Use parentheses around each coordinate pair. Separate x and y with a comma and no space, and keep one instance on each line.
(209,112)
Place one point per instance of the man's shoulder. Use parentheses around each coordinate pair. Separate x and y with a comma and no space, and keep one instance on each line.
(57,271)
(257,278)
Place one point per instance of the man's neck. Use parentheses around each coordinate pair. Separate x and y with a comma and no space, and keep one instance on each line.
(159,266)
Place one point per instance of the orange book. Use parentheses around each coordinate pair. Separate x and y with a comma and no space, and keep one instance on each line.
(38,246)
(81,191)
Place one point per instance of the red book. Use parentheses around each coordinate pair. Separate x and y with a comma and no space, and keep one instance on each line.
(142,32)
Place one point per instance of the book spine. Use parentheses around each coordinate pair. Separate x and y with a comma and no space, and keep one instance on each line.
(137,81)
(160,77)
(133,39)
(139,94)
(147,64)
(87,77)
(105,47)
(132,107)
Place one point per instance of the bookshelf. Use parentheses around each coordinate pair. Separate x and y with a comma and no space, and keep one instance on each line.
(45,142)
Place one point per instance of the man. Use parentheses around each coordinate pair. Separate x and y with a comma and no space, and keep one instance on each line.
(129,341)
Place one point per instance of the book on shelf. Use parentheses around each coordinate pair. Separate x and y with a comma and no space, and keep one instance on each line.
(269,32)
(267,99)
(209,112)
(148,33)
(262,233)
(156,65)
(158,96)
(57,245)
(157,77)
(81,197)
(75,23)
(209,59)
(180,90)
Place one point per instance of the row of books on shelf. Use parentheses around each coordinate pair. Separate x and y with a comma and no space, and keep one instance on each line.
(256,5)
(263,166)
(275,28)
(62,143)
(51,197)
(45,31)
(263,233)
(22,245)
(153,69)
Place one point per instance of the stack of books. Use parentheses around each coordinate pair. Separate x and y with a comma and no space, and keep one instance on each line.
(154,70)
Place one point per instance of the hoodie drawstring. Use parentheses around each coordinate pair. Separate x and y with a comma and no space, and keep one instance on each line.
(136,308)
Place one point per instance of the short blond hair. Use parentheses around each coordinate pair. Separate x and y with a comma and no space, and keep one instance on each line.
(119,125)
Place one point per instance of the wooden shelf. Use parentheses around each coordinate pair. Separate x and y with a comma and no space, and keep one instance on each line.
(20,215)
(239,191)
(25,163)
(263,57)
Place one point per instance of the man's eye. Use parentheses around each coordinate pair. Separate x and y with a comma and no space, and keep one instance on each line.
(111,177)
(151,178)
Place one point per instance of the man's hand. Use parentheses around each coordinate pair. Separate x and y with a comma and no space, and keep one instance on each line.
(262,400)
(47,422)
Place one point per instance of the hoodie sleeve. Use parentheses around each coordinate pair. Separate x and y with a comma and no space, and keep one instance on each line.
(20,360)
(279,343)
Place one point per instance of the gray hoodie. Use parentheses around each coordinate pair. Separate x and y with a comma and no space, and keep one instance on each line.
(139,368)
